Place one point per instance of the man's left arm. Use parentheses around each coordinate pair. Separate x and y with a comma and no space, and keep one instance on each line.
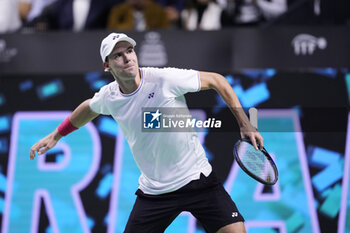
(217,82)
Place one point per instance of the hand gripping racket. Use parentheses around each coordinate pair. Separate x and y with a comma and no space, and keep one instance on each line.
(258,164)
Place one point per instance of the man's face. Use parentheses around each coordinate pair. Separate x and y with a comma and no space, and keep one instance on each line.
(123,61)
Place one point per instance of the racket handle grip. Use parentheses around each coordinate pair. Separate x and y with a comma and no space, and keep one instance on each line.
(253,117)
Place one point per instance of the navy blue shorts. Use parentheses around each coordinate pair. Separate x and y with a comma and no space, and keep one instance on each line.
(206,199)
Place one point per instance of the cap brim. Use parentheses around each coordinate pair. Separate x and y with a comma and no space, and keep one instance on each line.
(127,39)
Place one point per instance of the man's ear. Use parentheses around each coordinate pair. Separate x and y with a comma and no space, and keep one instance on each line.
(106,66)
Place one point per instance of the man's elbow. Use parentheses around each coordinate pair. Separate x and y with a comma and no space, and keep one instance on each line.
(217,81)
(211,80)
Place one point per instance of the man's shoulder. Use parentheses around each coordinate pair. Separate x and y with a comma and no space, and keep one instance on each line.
(149,69)
(152,72)
(160,71)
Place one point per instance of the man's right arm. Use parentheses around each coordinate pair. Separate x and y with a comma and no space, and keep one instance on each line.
(80,116)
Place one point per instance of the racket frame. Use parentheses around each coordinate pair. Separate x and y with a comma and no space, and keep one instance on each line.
(268,157)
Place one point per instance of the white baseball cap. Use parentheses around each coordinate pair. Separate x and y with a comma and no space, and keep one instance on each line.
(110,41)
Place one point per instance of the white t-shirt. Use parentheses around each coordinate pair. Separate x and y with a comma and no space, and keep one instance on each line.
(167,160)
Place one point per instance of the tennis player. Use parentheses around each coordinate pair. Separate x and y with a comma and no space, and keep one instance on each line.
(175,173)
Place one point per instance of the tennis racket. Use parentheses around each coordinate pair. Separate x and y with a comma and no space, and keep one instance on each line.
(258,164)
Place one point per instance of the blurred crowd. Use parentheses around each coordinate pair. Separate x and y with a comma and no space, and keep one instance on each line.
(79,15)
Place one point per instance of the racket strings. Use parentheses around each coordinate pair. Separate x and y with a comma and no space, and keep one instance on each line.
(256,162)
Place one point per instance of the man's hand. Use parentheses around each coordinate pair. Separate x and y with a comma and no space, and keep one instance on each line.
(45,144)
(250,132)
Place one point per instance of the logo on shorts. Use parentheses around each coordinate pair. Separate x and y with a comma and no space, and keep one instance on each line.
(152,119)
(234,214)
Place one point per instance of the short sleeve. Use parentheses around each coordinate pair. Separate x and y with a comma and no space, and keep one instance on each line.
(180,81)
(97,103)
